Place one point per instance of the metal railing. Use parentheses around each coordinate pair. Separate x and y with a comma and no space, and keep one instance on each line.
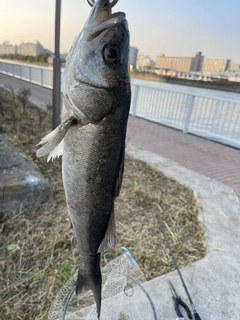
(214,118)
(211,117)
(39,75)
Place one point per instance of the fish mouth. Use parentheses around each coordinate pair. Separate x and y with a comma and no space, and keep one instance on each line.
(101,19)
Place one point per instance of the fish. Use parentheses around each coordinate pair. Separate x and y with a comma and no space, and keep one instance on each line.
(96,95)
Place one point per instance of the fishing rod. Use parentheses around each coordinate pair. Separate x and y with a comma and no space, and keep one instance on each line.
(161,228)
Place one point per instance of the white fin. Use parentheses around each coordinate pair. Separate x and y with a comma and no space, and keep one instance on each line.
(55,153)
(52,140)
(109,240)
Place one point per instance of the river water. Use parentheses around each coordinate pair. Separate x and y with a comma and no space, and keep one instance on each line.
(187,89)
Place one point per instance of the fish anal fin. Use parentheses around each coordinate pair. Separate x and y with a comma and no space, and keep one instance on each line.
(120,173)
(109,240)
(53,139)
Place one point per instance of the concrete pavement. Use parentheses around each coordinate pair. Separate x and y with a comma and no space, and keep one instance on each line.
(211,159)
(39,95)
(214,281)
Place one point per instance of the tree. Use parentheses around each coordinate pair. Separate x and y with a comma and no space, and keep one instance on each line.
(23,96)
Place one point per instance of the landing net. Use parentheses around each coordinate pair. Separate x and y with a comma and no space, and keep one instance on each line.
(123,295)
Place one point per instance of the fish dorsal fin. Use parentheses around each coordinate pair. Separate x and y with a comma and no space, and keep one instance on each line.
(53,139)
(109,240)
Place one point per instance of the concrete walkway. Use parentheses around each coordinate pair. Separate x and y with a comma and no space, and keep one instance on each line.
(208,158)
(214,281)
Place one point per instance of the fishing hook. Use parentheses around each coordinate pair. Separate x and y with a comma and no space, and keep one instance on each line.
(109,3)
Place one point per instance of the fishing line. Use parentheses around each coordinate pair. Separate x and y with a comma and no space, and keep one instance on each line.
(161,228)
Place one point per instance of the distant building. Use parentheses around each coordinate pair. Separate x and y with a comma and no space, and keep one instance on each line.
(48,52)
(235,67)
(30,49)
(144,62)
(7,48)
(133,57)
(212,65)
(183,64)
(196,63)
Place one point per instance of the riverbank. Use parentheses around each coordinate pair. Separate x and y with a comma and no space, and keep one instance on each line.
(216,85)
(221,85)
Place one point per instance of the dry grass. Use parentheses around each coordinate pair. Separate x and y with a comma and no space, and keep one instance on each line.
(38,250)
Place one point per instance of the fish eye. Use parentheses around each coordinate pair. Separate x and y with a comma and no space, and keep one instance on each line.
(111,54)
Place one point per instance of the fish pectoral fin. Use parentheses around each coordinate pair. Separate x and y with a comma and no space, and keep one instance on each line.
(52,143)
(109,240)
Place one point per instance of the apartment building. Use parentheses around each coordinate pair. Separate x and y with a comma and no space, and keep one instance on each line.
(183,64)
(30,49)
(26,49)
(7,48)
(235,67)
(144,62)
(196,63)
(133,56)
(212,65)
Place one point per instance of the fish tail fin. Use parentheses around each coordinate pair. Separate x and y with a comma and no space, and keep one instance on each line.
(93,282)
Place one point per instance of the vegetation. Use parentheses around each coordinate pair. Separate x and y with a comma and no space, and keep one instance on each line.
(38,250)
(39,58)
(24,96)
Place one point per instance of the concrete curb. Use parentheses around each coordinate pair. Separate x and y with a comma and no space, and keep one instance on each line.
(213,282)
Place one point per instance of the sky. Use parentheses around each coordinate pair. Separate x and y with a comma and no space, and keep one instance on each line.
(173,27)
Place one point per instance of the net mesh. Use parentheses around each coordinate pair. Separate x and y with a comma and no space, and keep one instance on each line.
(123,296)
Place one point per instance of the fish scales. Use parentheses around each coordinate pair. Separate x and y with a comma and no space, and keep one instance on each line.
(91,164)
(91,138)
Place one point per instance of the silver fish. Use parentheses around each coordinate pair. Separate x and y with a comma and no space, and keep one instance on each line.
(91,138)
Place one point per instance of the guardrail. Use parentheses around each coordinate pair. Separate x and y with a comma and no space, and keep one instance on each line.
(210,117)
(39,75)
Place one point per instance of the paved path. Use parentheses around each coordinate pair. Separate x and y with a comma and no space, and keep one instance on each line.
(213,282)
(39,93)
(208,158)
(211,159)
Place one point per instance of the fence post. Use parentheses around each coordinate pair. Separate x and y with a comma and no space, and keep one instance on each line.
(135,98)
(189,113)
(30,74)
(42,77)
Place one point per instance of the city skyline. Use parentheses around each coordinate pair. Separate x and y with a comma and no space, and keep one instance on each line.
(171,27)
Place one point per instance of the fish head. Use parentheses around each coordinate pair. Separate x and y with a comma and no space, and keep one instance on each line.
(98,62)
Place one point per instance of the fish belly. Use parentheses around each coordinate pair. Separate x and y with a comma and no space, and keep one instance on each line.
(92,157)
